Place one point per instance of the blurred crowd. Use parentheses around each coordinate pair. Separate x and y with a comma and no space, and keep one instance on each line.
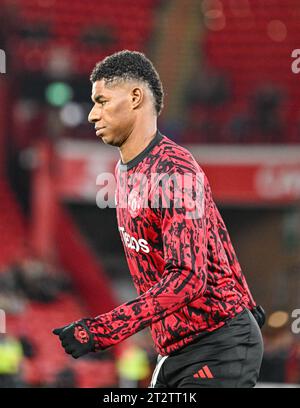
(30,280)
(33,283)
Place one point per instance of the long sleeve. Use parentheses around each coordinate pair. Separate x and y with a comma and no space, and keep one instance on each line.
(184,247)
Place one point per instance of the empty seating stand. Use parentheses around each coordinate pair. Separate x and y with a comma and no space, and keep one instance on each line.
(63,24)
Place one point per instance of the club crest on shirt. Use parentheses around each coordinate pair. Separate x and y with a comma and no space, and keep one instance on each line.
(134,203)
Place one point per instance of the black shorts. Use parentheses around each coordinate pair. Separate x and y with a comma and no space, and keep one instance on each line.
(229,357)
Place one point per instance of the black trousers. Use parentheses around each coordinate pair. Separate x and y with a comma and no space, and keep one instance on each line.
(229,357)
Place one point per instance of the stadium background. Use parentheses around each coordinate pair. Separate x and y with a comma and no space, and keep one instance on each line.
(232,87)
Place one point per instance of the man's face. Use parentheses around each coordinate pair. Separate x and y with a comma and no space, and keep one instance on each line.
(112,113)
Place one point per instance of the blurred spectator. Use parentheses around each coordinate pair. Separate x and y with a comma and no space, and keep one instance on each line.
(240,128)
(9,21)
(35,32)
(11,356)
(132,364)
(201,128)
(38,282)
(278,347)
(99,36)
(293,364)
(266,106)
(29,349)
(208,88)
(33,280)
(11,298)
(66,378)
(11,303)
(208,91)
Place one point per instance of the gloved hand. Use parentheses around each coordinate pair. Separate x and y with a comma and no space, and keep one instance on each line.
(259,314)
(76,338)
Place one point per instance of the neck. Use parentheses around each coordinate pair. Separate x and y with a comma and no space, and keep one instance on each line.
(138,140)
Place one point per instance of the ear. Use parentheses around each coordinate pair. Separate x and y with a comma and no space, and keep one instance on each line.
(137,96)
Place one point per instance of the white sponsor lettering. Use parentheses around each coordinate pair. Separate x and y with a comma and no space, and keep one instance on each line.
(133,243)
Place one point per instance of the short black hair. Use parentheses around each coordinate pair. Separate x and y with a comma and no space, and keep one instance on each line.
(130,65)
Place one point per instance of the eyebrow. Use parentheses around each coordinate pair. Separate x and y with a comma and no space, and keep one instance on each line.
(97,98)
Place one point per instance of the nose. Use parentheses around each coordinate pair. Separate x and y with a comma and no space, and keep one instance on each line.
(94,115)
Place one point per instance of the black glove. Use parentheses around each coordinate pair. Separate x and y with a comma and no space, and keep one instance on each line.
(259,314)
(76,338)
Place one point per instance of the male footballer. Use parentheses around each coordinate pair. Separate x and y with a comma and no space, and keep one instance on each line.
(192,293)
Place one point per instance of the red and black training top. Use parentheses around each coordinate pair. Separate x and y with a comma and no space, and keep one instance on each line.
(178,250)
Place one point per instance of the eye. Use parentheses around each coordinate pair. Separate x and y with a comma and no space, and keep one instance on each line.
(102,103)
